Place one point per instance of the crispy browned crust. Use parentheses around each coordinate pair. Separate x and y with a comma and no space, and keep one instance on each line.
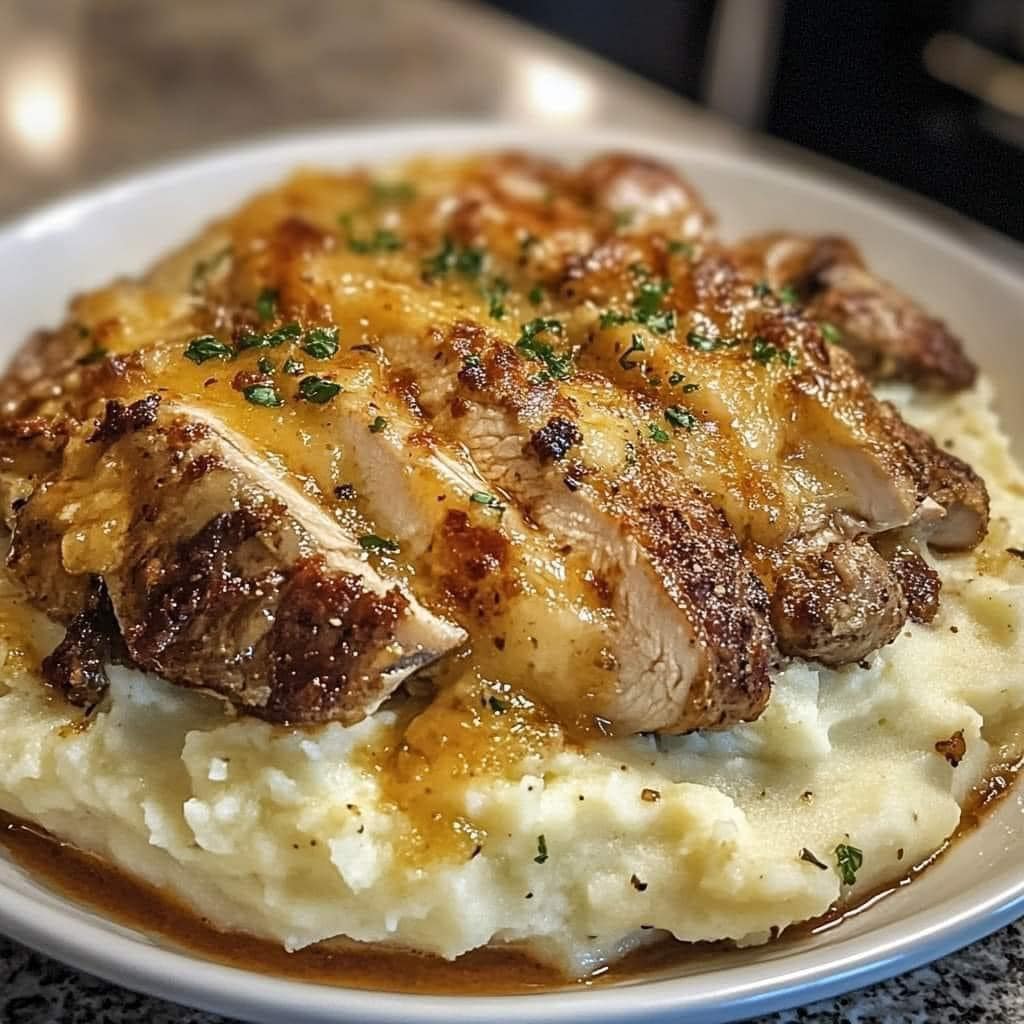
(229,606)
(919,582)
(703,567)
(890,336)
(689,448)
(838,605)
(77,666)
(945,479)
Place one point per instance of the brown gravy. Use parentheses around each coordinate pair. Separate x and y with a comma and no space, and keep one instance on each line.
(87,880)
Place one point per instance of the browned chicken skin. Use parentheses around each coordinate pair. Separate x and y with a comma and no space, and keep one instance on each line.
(496,415)
(888,334)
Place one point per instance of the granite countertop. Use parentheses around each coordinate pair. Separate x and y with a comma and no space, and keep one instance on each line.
(96,87)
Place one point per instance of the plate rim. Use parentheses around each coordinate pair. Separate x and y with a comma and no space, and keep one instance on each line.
(805,977)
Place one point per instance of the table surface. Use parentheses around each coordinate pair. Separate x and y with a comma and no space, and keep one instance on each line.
(92,88)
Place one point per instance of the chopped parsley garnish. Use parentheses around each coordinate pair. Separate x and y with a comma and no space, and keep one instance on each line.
(703,342)
(293,367)
(487,500)
(536,295)
(680,417)
(646,309)
(202,269)
(378,424)
(542,849)
(495,295)
(678,246)
(371,542)
(263,394)
(849,860)
(675,378)
(764,352)
(788,295)
(95,355)
(830,332)
(321,342)
(381,240)
(317,389)
(393,191)
(636,344)
(658,434)
(271,339)
(265,365)
(688,389)
(464,259)
(556,367)
(497,706)
(471,359)
(266,304)
(207,347)
(623,218)
(762,289)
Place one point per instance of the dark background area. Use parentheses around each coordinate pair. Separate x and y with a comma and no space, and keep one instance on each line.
(925,93)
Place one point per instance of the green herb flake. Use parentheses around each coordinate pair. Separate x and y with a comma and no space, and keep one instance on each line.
(658,435)
(378,424)
(849,861)
(636,344)
(471,359)
(612,318)
(688,389)
(675,378)
(788,296)
(202,269)
(542,849)
(263,394)
(317,390)
(830,332)
(623,218)
(95,355)
(680,417)
(465,260)
(764,352)
(207,347)
(536,295)
(321,342)
(702,342)
(497,706)
(265,365)
(393,191)
(382,240)
(266,304)
(293,367)
(762,289)
(489,501)
(495,295)
(371,542)
(678,247)
(529,344)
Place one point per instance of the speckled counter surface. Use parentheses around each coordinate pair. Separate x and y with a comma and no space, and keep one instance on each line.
(106,86)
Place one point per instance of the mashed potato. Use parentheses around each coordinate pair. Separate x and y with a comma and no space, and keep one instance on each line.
(292,834)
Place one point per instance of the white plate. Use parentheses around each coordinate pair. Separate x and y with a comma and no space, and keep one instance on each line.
(974,890)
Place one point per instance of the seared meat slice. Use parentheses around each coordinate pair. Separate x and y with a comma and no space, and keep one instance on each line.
(220,575)
(540,403)
(838,605)
(688,632)
(889,335)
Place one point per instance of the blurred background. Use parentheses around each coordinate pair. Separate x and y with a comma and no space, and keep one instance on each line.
(927,94)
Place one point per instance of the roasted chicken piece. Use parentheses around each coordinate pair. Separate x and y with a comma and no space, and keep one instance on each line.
(492,415)
(888,334)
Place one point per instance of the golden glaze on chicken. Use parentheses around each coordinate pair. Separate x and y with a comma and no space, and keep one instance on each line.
(489,414)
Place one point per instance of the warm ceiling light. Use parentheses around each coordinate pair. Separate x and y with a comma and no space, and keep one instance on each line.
(38,104)
(555,93)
